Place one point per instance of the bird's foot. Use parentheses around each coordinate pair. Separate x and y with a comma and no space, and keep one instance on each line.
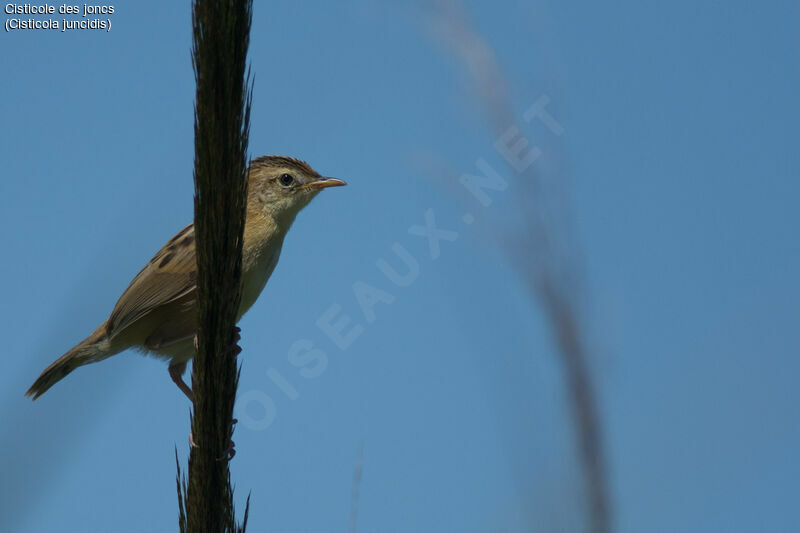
(234,348)
(229,453)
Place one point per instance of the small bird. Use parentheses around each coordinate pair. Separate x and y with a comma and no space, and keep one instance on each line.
(157,313)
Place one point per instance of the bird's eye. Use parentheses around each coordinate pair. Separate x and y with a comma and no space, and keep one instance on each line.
(286,180)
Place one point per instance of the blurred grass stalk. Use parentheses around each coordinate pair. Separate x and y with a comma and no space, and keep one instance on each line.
(541,248)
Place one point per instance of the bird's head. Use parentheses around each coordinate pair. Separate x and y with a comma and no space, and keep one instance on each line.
(279,187)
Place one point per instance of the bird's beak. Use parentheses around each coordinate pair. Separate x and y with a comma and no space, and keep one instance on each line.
(323,183)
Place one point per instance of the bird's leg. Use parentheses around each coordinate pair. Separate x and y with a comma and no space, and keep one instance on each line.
(176,373)
(237,336)
(234,350)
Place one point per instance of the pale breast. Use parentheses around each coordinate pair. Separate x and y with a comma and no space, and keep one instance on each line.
(256,275)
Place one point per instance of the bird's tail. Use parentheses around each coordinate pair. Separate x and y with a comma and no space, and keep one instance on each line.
(93,348)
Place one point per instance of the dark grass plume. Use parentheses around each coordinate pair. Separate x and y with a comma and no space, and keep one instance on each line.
(221,36)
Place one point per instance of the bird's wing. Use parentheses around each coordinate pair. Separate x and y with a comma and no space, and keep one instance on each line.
(170,275)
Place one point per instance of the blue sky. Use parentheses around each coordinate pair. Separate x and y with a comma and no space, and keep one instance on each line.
(679,155)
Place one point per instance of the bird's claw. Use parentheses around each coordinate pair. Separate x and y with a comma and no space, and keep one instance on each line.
(229,453)
(234,348)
